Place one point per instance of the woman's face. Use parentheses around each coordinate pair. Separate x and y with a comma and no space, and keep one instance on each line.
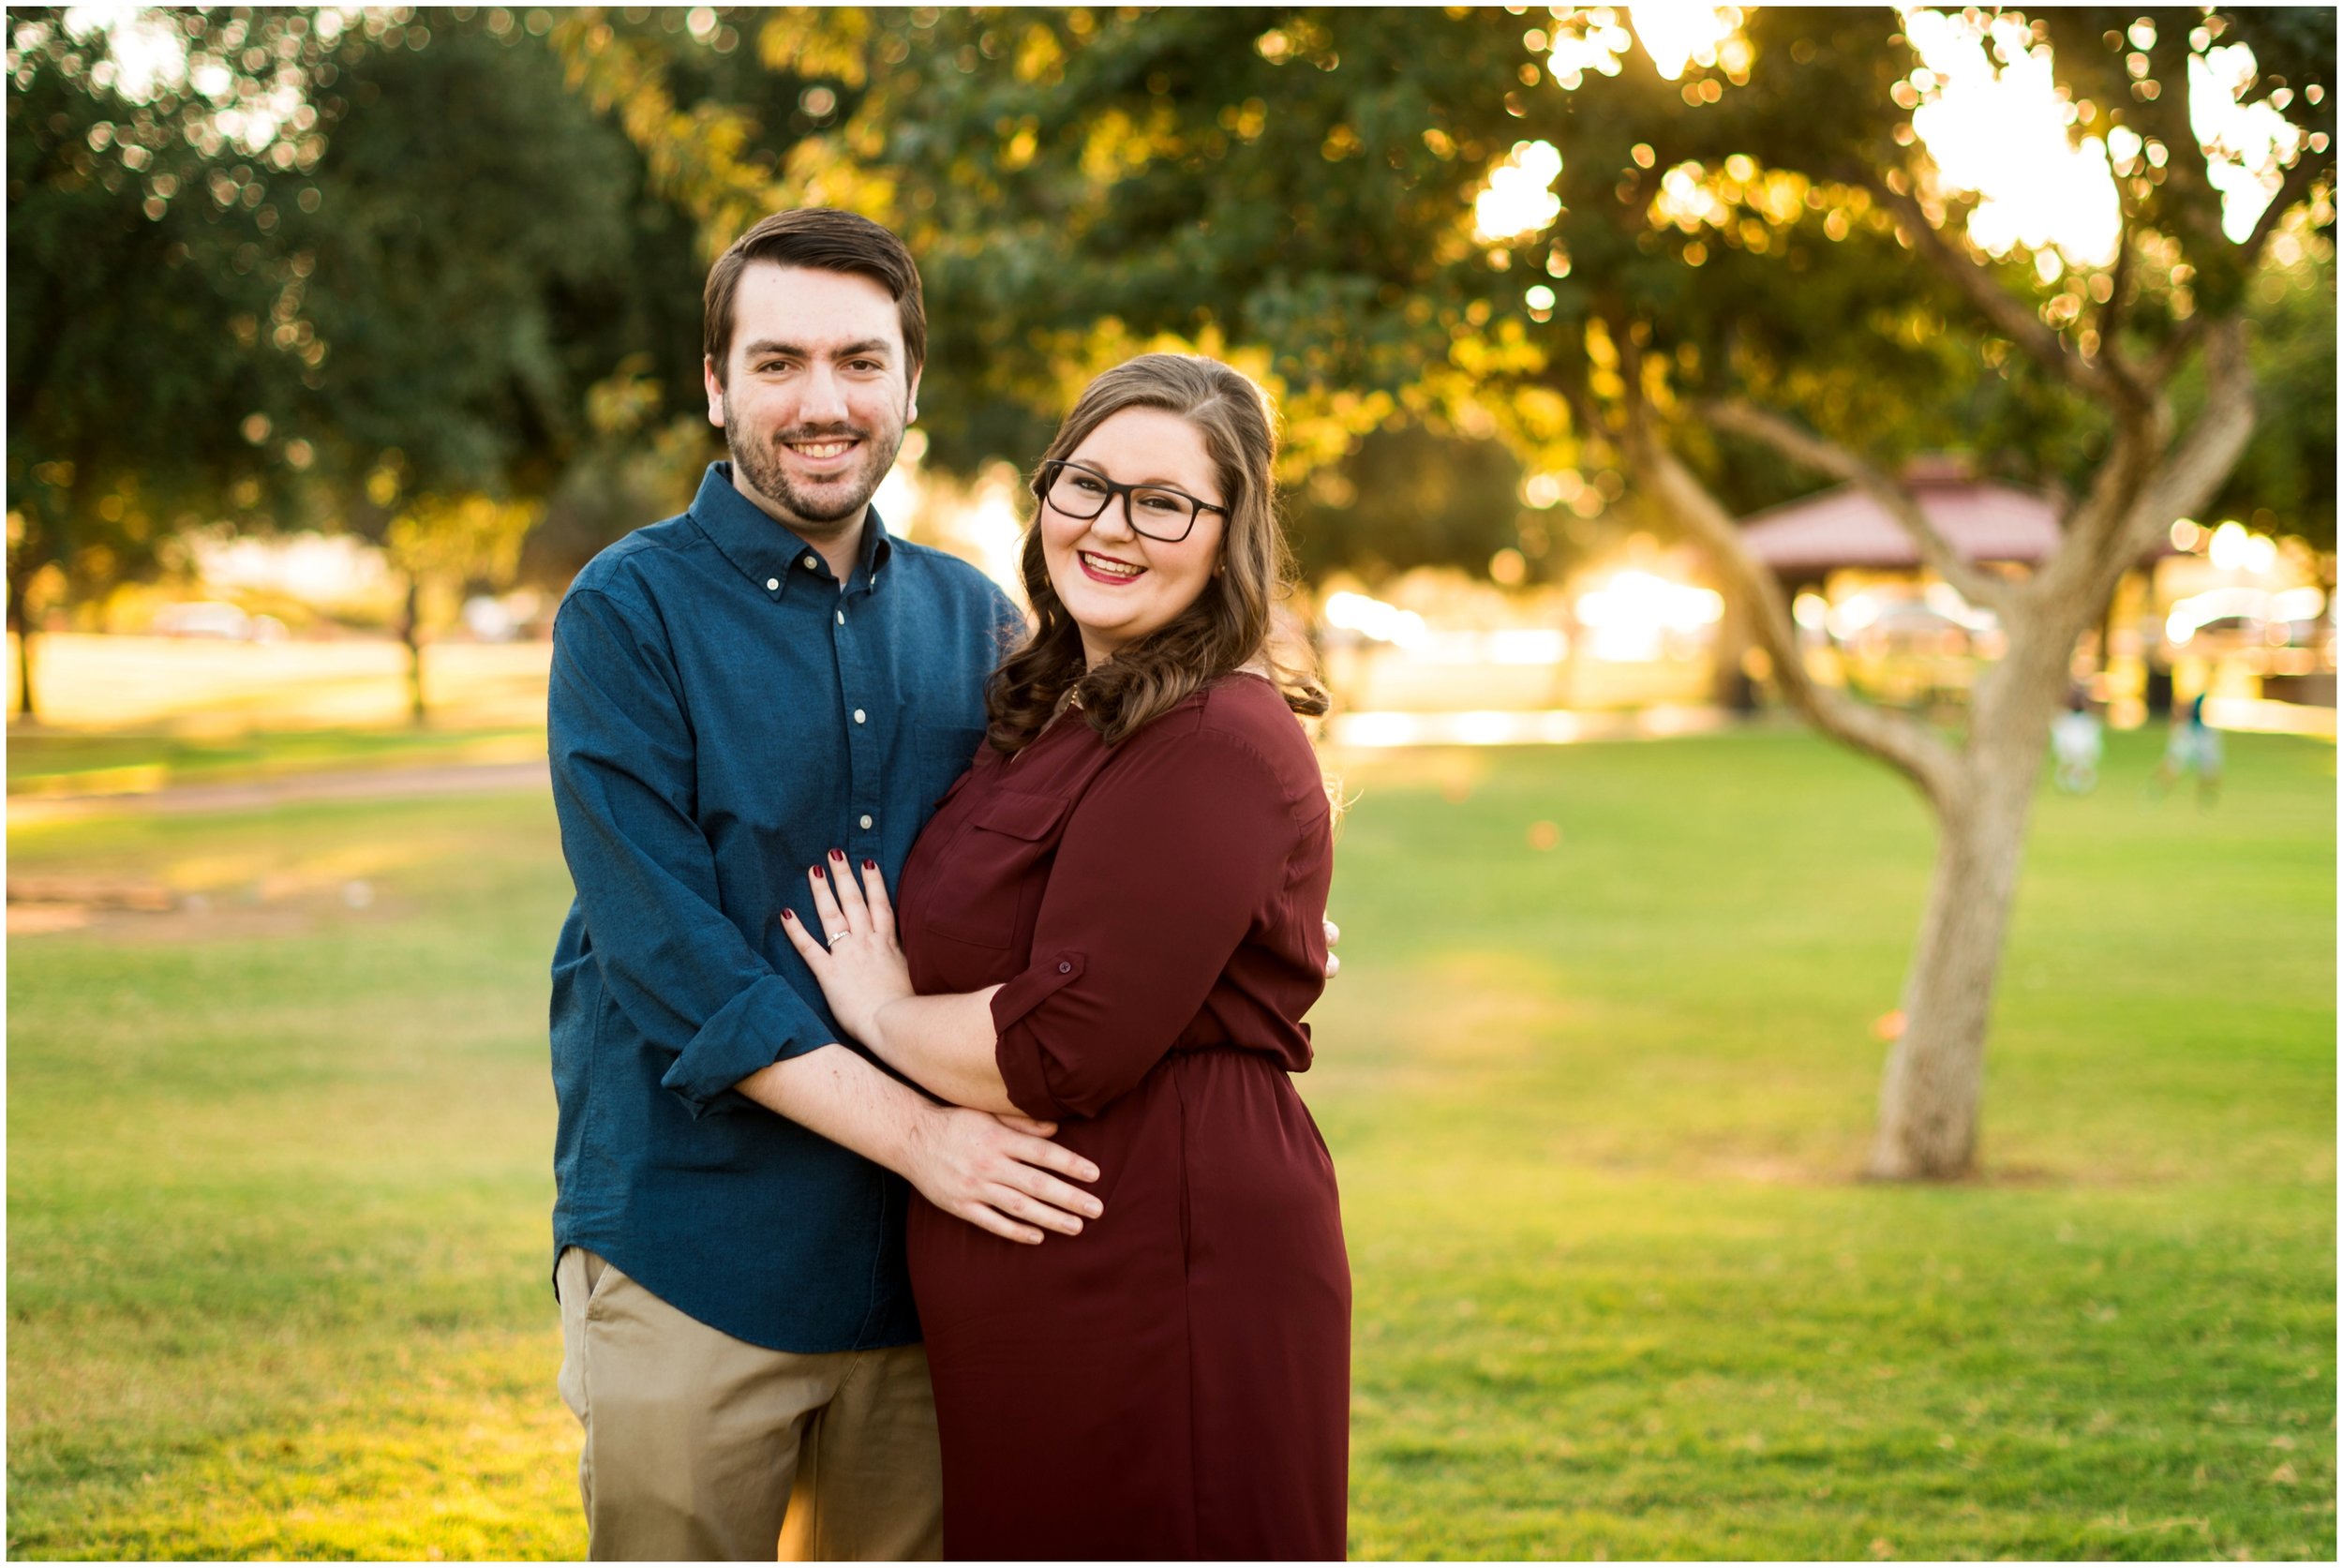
(1118,583)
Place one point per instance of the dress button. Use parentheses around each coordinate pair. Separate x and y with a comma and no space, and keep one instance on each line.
(810,563)
(857,715)
(1065,968)
(866,821)
(841,617)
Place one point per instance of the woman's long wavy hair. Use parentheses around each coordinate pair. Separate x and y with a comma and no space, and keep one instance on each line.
(1229,624)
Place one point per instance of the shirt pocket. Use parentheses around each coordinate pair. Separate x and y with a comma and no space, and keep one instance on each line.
(992,877)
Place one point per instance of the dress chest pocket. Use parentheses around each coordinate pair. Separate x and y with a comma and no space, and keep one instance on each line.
(995,868)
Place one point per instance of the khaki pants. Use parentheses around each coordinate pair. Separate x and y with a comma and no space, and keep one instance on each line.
(703,1447)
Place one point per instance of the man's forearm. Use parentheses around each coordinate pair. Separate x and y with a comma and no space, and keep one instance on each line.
(837,1094)
(946,1045)
(1002,1176)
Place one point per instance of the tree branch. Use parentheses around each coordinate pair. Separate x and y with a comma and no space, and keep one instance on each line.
(2296,189)
(2146,481)
(1904,744)
(1971,581)
(2202,459)
(2291,191)
(2110,318)
(2176,347)
(2007,314)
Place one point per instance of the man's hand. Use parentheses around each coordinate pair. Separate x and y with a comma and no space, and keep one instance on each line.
(996,1173)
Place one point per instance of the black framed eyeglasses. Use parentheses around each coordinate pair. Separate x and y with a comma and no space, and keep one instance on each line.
(1155,512)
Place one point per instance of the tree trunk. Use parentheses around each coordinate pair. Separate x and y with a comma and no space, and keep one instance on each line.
(21,622)
(1935,1080)
(411,634)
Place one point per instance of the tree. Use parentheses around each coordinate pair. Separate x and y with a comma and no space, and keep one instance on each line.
(469,329)
(143,265)
(1754,249)
(2101,343)
(379,336)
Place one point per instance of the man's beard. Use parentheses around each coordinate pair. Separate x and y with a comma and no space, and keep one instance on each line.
(837,500)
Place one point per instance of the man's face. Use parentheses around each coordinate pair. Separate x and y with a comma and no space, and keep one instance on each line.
(815,395)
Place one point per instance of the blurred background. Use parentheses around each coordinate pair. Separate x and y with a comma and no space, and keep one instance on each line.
(1694,419)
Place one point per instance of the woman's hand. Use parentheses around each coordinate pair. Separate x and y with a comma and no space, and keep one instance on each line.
(854,955)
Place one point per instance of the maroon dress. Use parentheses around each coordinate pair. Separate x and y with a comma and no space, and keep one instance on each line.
(1175,1381)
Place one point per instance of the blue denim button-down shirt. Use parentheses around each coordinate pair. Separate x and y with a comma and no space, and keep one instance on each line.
(721,714)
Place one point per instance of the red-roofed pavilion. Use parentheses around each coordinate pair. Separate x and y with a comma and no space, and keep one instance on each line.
(1981,519)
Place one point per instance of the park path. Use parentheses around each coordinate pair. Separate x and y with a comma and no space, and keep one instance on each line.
(1356,731)
(377,784)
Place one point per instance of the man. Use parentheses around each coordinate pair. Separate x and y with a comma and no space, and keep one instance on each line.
(762,683)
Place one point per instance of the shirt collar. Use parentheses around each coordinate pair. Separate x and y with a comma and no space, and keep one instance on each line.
(766,551)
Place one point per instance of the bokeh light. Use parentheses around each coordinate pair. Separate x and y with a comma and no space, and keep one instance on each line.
(2001,133)
(1517,200)
(1677,36)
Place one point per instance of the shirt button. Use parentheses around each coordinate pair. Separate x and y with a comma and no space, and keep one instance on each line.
(772,585)
(858,719)
(841,617)
(866,821)
(810,563)
(1065,968)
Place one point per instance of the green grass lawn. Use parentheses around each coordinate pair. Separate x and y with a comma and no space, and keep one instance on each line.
(279,1175)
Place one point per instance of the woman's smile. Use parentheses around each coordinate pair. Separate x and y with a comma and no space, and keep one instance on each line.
(1106,569)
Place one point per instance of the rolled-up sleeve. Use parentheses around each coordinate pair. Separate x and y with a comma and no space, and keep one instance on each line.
(622,754)
(1168,861)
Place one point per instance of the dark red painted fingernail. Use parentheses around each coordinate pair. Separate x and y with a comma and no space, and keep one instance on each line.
(837,853)
(813,872)
(788,914)
(870,865)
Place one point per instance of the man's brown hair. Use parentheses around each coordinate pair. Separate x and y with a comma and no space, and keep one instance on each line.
(828,240)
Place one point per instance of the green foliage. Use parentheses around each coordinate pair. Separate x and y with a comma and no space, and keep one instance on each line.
(363,296)
(1178,169)
(468,324)
(2285,482)
(2175,196)
(278,1177)
(392,311)
(1296,185)
(142,262)
(1776,273)
(1304,180)
(1406,498)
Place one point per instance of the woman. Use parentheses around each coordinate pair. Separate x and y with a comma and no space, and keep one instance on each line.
(1115,923)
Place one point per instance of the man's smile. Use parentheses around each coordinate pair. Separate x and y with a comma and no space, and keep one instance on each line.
(822,449)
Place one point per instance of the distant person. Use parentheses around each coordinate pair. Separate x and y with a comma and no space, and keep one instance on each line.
(2191,746)
(2078,741)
